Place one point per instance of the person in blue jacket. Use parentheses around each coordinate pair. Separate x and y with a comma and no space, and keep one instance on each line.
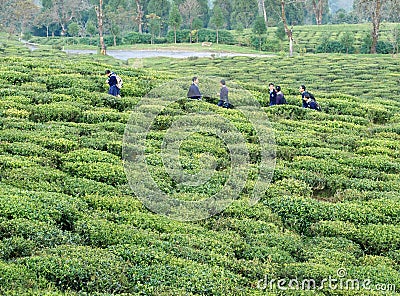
(112,82)
(305,95)
(272,94)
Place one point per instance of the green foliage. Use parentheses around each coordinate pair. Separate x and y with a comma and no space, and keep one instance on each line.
(258,41)
(83,269)
(136,38)
(347,41)
(71,225)
(58,111)
(331,47)
(175,18)
(217,18)
(53,208)
(382,47)
(181,36)
(259,26)
(280,33)
(73,29)
(366,236)
(17,279)
(98,171)
(224,36)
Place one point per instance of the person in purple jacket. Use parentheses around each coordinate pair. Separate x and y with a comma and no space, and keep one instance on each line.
(280,98)
(223,95)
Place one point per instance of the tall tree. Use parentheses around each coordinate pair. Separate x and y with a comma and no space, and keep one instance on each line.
(394,39)
(68,10)
(190,9)
(175,19)
(289,31)
(318,8)
(153,24)
(197,25)
(204,12)
(391,11)
(263,11)
(112,21)
(139,16)
(46,18)
(100,16)
(259,29)
(116,19)
(162,9)
(227,8)
(245,12)
(376,11)
(372,10)
(217,20)
(16,15)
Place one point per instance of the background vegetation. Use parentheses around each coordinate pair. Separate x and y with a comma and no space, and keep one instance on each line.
(269,22)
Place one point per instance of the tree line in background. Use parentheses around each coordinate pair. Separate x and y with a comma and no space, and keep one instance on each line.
(160,18)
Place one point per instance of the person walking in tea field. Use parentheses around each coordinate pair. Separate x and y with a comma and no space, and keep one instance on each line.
(272,94)
(305,93)
(194,91)
(311,102)
(308,99)
(280,98)
(223,95)
(113,82)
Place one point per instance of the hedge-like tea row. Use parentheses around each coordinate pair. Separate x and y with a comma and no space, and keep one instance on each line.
(301,212)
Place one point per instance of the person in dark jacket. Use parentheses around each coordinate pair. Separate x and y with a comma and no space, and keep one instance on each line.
(280,98)
(112,82)
(304,94)
(272,94)
(223,95)
(194,91)
(311,102)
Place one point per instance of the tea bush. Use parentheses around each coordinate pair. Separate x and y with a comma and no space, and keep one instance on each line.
(83,269)
(365,235)
(98,171)
(59,209)
(17,279)
(59,111)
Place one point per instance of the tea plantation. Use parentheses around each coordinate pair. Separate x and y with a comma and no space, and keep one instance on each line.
(71,225)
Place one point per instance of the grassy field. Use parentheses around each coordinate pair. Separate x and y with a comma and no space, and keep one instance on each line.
(71,225)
